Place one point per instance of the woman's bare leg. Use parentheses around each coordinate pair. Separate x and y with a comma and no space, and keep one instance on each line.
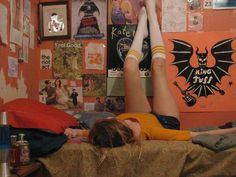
(163,100)
(135,98)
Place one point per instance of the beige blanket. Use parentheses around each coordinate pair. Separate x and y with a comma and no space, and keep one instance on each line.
(150,159)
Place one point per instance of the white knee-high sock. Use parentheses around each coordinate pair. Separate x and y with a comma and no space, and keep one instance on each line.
(157,45)
(141,33)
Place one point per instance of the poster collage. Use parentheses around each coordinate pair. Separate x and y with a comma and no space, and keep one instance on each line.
(80,66)
(88,69)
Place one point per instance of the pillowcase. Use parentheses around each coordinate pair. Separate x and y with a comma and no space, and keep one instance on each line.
(29,113)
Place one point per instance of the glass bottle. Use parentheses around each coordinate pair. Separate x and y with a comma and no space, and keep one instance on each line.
(24,150)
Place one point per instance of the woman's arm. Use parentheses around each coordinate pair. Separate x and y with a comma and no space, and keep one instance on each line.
(72,133)
(215,132)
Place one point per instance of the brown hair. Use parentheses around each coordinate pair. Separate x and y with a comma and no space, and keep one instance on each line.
(110,133)
(59,83)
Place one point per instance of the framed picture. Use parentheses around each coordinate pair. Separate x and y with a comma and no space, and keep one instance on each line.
(54,22)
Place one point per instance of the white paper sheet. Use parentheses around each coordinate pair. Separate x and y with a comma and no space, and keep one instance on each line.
(89,106)
(27,8)
(174,16)
(45,59)
(9,92)
(94,56)
(25,49)
(16,27)
(26,25)
(31,44)
(3,26)
(12,47)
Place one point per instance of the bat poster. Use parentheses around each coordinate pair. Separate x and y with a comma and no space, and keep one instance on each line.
(119,40)
(202,70)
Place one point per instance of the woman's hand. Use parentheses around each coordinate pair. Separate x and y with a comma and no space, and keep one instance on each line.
(71,133)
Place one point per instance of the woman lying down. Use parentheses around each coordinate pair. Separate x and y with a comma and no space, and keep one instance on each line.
(143,122)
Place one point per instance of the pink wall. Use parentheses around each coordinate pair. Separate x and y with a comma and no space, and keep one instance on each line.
(29,69)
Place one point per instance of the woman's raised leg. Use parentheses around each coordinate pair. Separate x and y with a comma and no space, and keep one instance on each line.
(135,98)
(163,100)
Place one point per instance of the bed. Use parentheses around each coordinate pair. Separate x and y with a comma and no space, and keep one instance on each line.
(150,159)
(153,158)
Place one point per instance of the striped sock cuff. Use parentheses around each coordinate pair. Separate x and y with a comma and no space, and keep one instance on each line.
(134,54)
(158,51)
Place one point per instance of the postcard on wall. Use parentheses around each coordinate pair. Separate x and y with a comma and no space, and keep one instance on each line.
(174,16)
(89,19)
(60,93)
(3,26)
(25,49)
(67,59)
(120,39)
(94,84)
(12,67)
(195,21)
(94,56)
(16,27)
(89,106)
(123,12)
(45,59)
(224,4)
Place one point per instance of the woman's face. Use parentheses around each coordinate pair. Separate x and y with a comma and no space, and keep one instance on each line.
(57,82)
(116,3)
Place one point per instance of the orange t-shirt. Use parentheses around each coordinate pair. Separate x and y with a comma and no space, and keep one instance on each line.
(151,128)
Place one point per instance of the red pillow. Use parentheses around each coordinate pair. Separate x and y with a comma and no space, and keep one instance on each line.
(28,113)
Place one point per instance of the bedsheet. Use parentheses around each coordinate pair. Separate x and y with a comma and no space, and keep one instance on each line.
(153,158)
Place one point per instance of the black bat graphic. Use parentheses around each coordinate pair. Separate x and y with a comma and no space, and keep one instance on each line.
(203,79)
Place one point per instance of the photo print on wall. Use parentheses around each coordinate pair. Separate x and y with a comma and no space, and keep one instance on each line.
(121,12)
(61,93)
(89,19)
(94,85)
(119,39)
(67,60)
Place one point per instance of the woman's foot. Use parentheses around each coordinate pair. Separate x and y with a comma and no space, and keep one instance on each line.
(151,8)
